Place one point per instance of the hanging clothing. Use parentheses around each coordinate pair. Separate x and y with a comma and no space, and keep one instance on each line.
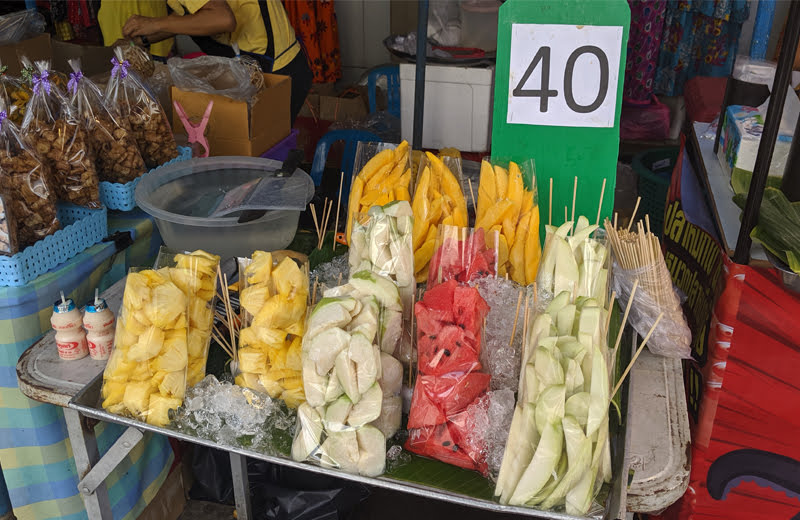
(276,42)
(701,38)
(114,13)
(316,27)
(644,42)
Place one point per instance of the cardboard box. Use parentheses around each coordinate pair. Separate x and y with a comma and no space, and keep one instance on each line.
(36,48)
(351,104)
(234,128)
(95,59)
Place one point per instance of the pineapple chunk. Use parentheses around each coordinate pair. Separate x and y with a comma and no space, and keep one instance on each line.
(289,279)
(293,397)
(297,328)
(248,380)
(113,393)
(123,338)
(174,355)
(148,346)
(118,368)
(260,269)
(252,298)
(141,316)
(275,313)
(167,304)
(199,262)
(132,325)
(137,396)
(277,358)
(292,383)
(271,385)
(201,315)
(153,278)
(137,292)
(159,407)
(293,359)
(248,338)
(173,384)
(252,360)
(269,336)
(195,373)
(197,342)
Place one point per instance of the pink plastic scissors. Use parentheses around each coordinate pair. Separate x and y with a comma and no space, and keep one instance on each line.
(195,133)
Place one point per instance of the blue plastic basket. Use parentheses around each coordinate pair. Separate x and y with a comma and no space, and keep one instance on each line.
(81,228)
(119,197)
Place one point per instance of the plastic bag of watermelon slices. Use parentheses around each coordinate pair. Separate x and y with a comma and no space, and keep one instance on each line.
(381,243)
(463,254)
(450,381)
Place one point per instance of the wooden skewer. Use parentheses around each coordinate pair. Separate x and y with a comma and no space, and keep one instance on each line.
(574,194)
(340,279)
(625,314)
(231,326)
(472,195)
(525,320)
(325,225)
(516,317)
(600,206)
(222,345)
(608,313)
(550,206)
(633,215)
(314,216)
(635,356)
(338,205)
(314,292)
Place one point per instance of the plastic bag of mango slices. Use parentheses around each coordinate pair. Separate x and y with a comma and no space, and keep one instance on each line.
(381,174)
(146,374)
(274,301)
(195,274)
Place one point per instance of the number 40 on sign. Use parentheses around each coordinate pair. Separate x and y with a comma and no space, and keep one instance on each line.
(563,75)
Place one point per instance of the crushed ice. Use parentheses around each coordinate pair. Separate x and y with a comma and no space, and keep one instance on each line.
(329,274)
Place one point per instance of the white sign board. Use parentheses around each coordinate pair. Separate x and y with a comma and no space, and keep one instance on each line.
(564,75)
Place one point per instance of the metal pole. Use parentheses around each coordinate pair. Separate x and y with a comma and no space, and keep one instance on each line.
(419,84)
(771,126)
(790,185)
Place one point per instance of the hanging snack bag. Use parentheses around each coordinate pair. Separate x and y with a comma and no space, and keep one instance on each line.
(145,376)
(117,158)
(53,131)
(15,93)
(274,299)
(26,184)
(145,115)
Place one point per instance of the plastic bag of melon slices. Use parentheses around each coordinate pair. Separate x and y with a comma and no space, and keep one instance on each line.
(353,401)
(274,301)
(145,376)
(438,200)
(574,259)
(195,274)
(463,254)
(381,174)
(507,202)
(146,117)
(446,407)
(116,154)
(381,243)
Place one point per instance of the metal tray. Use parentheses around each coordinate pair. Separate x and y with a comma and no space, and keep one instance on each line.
(87,402)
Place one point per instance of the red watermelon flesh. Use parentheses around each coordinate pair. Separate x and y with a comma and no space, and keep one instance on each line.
(462,260)
(427,323)
(454,392)
(460,426)
(439,301)
(437,443)
(423,410)
(452,350)
(470,309)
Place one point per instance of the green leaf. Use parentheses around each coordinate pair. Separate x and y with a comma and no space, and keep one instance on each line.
(433,473)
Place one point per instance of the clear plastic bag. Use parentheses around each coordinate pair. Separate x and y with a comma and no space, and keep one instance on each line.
(228,77)
(655,295)
(145,376)
(438,200)
(145,115)
(506,204)
(140,59)
(450,381)
(20,25)
(195,274)
(52,129)
(117,158)
(274,301)
(381,174)
(15,93)
(26,182)
(352,387)
(381,243)
(463,254)
(8,226)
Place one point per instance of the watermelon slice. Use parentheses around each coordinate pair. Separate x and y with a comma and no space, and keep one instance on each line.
(460,426)
(469,309)
(439,301)
(454,392)
(423,410)
(452,350)
(437,442)
(462,260)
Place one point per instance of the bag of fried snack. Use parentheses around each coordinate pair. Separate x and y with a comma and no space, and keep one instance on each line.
(145,115)
(53,131)
(15,93)
(25,180)
(116,155)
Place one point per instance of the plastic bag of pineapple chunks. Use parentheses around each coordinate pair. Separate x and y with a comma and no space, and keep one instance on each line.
(274,300)
(195,274)
(146,374)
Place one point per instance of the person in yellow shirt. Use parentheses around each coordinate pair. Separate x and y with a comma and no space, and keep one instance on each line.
(260,28)
(114,13)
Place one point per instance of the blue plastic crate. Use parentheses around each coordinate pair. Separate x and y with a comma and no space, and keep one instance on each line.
(81,228)
(119,197)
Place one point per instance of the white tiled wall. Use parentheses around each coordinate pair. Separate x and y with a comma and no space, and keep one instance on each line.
(363,25)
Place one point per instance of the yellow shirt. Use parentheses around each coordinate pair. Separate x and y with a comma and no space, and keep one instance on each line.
(250,33)
(114,13)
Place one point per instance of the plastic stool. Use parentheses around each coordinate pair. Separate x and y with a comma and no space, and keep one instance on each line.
(392,73)
(351,139)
